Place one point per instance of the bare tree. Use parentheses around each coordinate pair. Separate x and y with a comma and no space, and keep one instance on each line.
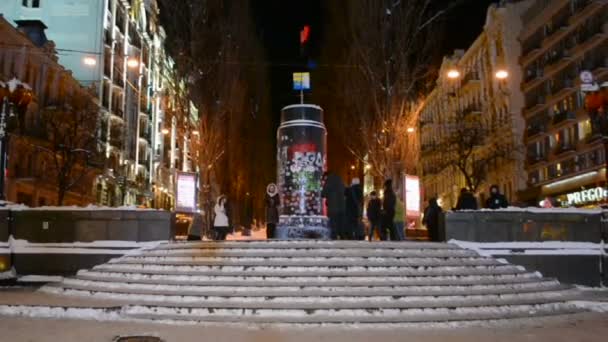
(467,146)
(389,48)
(71,142)
(218,57)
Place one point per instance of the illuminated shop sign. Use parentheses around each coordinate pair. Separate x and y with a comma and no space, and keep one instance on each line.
(587,196)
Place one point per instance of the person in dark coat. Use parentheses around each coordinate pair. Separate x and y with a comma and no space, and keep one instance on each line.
(496,200)
(354,210)
(374,214)
(196,228)
(431,219)
(466,200)
(272,203)
(389,201)
(333,192)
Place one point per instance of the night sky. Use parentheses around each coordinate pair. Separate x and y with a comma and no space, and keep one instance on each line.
(279,22)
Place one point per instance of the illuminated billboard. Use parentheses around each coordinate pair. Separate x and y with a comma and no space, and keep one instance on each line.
(185,192)
(412,196)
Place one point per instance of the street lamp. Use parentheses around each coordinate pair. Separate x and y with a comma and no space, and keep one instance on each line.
(89,61)
(19,95)
(132,63)
(410,129)
(453,74)
(165,131)
(502,74)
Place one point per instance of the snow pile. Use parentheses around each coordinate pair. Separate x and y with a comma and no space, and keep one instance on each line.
(531,248)
(601,307)
(8,274)
(90,207)
(536,210)
(39,279)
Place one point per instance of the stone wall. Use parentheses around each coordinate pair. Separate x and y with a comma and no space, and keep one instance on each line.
(486,227)
(61,242)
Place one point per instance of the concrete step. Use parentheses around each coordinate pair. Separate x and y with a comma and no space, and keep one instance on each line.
(371,302)
(317,252)
(279,244)
(305,261)
(163,279)
(348,315)
(325,271)
(307,291)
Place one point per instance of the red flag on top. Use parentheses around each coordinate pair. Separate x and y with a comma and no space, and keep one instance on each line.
(304,34)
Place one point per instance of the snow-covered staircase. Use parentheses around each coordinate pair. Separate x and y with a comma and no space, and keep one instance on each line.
(318,282)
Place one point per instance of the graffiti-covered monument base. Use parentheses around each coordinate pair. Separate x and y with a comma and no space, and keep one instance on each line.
(301,160)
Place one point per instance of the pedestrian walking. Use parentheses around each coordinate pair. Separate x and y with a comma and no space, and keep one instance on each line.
(221,222)
(374,214)
(272,203)
(354,211)
(247,217)
(389,202)
(466,200)
(333,192)
(496,200)
(196,228)
(431,219)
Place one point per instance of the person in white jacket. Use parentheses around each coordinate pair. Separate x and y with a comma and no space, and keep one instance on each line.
(221,223)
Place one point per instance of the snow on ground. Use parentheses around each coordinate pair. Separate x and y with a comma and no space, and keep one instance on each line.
(22,207)
(8,274)
(39,279)
(536,210)
(531,248)
(601,307)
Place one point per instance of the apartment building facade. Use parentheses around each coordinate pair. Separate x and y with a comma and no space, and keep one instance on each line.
(564,158)
(480,84)
(117,46)
(33,162)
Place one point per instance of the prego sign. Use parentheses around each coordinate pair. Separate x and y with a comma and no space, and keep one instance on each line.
(587,196)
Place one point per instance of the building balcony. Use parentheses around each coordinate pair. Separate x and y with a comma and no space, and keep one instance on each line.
(107,38)
(535,130)
(555,35)
(562,87)
(533,79)
(563,149)
(117,142)
(563,117)
(583,8)
(535,159)
(557,62)
(535,105)
(588,40)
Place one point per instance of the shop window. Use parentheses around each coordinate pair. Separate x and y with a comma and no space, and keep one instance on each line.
(584,129)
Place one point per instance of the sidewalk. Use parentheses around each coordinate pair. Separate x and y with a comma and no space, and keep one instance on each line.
(584,327)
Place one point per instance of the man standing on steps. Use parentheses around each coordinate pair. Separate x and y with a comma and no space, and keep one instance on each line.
(389,201)
(272,203)
(333,192)
(354,211)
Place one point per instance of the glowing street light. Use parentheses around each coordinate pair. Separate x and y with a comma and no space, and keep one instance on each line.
(195,133)
(352,167)
(165,131)
(410,129)
(502,74)
(132,63)
(453,74)
(89,61)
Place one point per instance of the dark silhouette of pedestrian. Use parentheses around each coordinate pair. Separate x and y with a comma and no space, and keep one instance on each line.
(272,202)
(354,211)
(333,192)
(496,200)
(466,200)
(389,201)
(431,219)
(374,214)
